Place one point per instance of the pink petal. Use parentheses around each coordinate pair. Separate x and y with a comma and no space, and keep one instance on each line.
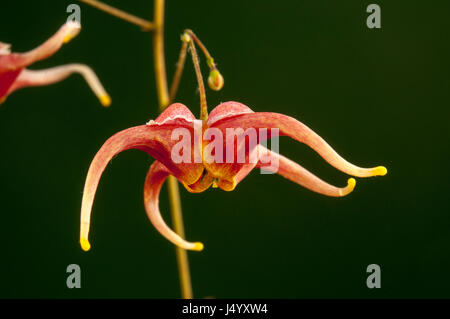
(227,110)
(14,61)
(228,175)
(154,139)
(153,183)
(57,74)
(301,176)
(289,126)
(233,173)
(247,167)
(6,81)
(174,114)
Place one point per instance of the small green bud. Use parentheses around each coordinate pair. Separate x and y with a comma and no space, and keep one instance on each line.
(215,80)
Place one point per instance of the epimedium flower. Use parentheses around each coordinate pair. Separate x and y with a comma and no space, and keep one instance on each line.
(202,169)
(14,74)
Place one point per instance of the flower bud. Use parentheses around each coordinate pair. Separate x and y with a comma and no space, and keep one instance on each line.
(215,80)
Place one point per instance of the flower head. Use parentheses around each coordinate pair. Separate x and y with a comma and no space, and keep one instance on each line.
(15,75)
(201,154)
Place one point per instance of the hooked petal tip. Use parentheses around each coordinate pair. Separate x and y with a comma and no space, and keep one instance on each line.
(73,30)
(379,171)
(198,246)
(351,184)
(67,38)
(85,245)
(349,188)
(105,100)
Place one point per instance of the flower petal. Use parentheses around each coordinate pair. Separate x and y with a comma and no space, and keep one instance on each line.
(57,74)
(174,114)
(153,183)
(202,184)
(152,139)
(301,176)
(236,172)
(7,79)
(289,126)
(247,168)
(14,61)
(226,172)
(227,110)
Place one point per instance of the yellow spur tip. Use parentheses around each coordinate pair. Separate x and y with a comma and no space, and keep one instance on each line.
(67,38)
(351,183)
(85,244)
(380,171)
(198,246)
(105,100)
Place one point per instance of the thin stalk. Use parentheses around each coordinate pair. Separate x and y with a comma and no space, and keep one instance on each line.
(172,184)
(144,24)
(209,58)
(215,79)
(201,85)
(178,72)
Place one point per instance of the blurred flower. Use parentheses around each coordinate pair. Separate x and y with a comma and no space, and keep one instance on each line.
(199,168)
(14,75)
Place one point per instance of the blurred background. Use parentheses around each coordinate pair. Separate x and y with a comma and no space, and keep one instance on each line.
(378,96)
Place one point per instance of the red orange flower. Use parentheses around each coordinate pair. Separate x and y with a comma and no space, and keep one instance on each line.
(200,168)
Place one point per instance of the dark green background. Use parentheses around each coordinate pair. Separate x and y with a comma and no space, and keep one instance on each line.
(379,97)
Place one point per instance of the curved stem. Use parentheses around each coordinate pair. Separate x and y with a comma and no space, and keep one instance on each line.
(144,24)
(201,85)
(164,99)
(209,58)
(179,71)
(186,41)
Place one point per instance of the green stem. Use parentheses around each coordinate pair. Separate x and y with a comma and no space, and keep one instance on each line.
(144,24)
(201,85)
(174,194)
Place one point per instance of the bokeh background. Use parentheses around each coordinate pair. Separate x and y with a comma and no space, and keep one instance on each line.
(379,97)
